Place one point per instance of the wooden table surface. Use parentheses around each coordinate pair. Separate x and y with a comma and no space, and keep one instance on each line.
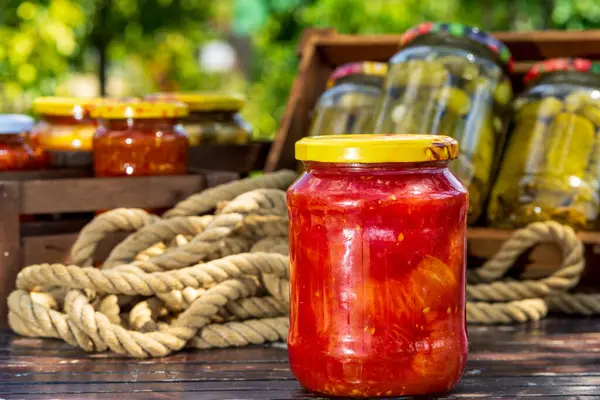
(553,359)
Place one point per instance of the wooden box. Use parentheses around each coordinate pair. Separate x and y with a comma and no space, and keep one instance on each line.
(321,51)
(242,158)
(67,199)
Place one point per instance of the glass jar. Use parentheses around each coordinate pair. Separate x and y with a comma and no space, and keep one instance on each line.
(551,167)
(213,118)
(377,279)
(140,138)
(349,103)
(452,80)
(65,130)
(17,152)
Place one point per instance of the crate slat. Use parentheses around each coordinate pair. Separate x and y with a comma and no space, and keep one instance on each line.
(78,195)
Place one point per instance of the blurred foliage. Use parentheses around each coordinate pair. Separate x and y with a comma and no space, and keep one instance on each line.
(50,46)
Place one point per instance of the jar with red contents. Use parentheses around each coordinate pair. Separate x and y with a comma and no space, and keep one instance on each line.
(65,130)
(17,152)
(377,251)
(140,138)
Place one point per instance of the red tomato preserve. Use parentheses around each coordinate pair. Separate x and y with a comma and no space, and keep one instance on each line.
(377,247)
(17,151)
(139,138)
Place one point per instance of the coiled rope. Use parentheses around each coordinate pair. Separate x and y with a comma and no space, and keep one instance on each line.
(222,279)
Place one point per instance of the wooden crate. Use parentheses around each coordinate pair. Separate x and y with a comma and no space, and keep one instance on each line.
(72,192)
(243,158)
(322,50)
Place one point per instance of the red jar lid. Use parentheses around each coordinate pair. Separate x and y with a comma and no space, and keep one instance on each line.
(369,68)
(561,64)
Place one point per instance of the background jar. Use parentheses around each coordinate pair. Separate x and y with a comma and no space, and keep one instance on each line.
(377,265)
(214,118)
(17,151)
(140,138)
(551,167)
(65,130)
(452,80)
(349,103)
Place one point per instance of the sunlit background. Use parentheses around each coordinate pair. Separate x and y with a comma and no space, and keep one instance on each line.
(133,47)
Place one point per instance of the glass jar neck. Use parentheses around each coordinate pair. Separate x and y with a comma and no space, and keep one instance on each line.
(145,124)
(463,43)
(369,80)
(573,77)
(382,168)
(211,116)
(12,139)
(67,119)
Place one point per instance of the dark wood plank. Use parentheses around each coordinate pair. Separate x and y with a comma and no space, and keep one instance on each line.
(557,358)
(46,174)
(56,248)
(10,252)
(75,195)
(233,158)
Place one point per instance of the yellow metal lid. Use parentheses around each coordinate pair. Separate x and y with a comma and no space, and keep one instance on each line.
(370,149)
(62,106)
(205,101)
(136,108)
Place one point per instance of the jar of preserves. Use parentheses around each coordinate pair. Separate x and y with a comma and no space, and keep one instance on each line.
(17,152)
(140,138)
(65,130)
(551,167)
(350,102)
(213,118)
(452,80)
(377,279)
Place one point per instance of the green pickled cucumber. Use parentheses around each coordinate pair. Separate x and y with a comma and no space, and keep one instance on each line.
(356,100)
(478,84)
(592,113)
(503,92)
(545,108)
(576,100)
(456,100)
(569,145)
(418,73)
(460,67)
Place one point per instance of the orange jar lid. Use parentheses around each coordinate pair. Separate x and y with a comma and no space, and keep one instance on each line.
(205,101)
(136,108)
(63,106)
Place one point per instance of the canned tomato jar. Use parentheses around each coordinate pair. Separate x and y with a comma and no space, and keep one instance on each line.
(377,251)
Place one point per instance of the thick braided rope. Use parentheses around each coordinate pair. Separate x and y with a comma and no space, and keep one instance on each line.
(208,199)
(161,231)
(237,299)
(503,301)
(120,219)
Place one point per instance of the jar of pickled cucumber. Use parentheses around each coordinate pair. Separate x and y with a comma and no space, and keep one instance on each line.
(214,118)
(350,102)
(452,80)
(551,167)
(65,130)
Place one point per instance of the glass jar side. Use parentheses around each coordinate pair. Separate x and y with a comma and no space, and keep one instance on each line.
(551,168)
(17,153)
(346,108)
(139,147)
(369,244)
(454,89)
(217,127)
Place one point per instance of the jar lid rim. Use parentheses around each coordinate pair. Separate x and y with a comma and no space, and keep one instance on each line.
(138,108)
(63,106)
(376,148)
(459,30)
(560,64)
(11,124)
(368,68)
(204,101)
